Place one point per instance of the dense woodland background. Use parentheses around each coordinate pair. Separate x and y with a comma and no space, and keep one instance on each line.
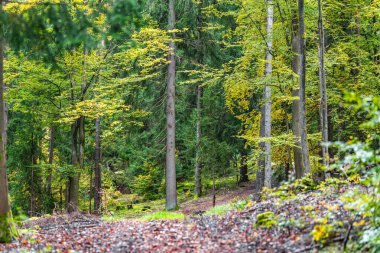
(89,91)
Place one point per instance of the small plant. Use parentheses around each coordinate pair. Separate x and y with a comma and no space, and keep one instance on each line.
(266,219)
(322,232)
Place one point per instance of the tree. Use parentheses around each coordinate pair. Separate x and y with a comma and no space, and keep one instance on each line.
(8,231)
(265,125)
(297,152)
(302,86)
(198,166)
(322,88)
(98,179)
(171,181)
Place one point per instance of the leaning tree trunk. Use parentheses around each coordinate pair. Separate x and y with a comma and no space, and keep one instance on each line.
(8,230)
(98,181)
(171,182)
(323,90)
(198,166)
(302,85)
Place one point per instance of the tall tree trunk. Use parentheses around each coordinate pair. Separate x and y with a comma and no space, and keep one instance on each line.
(198,166)
(8,231)
(72,198)
(302,84)
(267,98)
(51,160)
(323,89)
(171,182)
(98,181)
(266,126)
(298,166)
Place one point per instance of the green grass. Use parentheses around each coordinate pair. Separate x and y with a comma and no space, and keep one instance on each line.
(163,215)
(220,210)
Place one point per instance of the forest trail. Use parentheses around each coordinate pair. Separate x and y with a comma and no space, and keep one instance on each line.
(237,231)
(222,197)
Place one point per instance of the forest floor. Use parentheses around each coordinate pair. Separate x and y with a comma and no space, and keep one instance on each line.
(295,223)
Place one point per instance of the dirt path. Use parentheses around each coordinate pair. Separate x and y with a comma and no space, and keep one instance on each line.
(222,197)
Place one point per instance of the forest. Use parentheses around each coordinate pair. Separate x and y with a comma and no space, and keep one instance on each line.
(190,126)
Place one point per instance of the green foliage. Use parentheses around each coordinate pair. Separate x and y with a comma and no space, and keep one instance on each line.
(363,156)
(266,219)
(163,215)
(220,210)
(148,184)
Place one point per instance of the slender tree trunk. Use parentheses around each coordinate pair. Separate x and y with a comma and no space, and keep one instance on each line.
(32,179)
(260,174)
(51,160)
(98,181)
(298,165)
(8,231)
(267,98)
(198,166)
(81,142)
(302,84)
(244,166)
(265,126)
(323,89)
(171,184)
(91,192)
(288,164)
(72,198)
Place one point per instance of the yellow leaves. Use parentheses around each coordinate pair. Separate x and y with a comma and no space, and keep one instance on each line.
(321,232)
(332,207)
(355,178)
(359,223)
(93,109)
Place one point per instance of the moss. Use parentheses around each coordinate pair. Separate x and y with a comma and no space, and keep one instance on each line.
(8,231)
(266,219)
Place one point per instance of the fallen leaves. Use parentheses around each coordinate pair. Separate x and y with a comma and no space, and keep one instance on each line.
(234,232)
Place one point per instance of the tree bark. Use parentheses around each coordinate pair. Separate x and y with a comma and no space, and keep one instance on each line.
(265,147)
(198,166)
(298,166)
(98,181)
(32,179)
(260,175)
(51,160)
(72,194)
(8,231)
(302,86)
(244,166)
(323,90)
(267,98)
(171,184)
